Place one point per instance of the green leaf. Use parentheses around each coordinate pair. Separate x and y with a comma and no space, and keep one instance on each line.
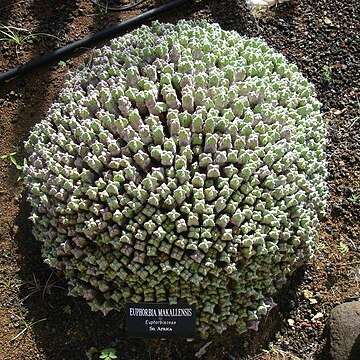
(108,354)
(13,161)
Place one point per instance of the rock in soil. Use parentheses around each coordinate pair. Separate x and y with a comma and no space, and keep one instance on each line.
(345,332)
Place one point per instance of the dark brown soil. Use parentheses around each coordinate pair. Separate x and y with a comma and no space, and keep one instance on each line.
(37,318)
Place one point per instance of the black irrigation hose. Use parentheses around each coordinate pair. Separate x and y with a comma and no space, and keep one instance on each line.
(69,50)
(117,8)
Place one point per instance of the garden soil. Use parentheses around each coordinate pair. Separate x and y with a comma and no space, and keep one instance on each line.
(37,318)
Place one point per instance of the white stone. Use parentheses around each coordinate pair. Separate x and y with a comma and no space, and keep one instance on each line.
(317,317)
(256,4)
(291,322)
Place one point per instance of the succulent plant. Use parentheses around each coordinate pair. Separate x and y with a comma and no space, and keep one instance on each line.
(183,164)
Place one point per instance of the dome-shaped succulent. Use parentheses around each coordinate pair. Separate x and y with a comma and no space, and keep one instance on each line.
(184,163)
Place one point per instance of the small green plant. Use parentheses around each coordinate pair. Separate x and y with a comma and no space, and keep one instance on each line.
(26,325)
(34,286)
(11,158)
(11,35)
(259,12)
(17,36)
(355,197)
(343,248)
(67,310)
(327,73)
(6,283)
(320,246)
(62,63)
(101,9)
(108,354)
(355,191)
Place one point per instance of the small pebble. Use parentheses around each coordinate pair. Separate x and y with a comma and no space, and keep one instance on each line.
(291,322)
(307,294)
(317,317)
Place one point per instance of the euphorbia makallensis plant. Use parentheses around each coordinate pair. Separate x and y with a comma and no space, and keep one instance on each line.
(184,164)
